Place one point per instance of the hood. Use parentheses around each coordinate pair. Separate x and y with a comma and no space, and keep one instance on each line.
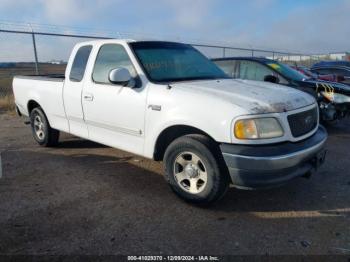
(321,86)
(254,96)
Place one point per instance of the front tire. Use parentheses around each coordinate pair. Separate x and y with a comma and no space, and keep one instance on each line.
(43,133)
(195,169)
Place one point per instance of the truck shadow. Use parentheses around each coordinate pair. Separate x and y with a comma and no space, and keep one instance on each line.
(129,174)
(83,200)
(79,143)
(341,127)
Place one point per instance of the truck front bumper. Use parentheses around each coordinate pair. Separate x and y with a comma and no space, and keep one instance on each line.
(256,166)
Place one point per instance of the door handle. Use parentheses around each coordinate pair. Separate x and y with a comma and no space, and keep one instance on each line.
(88,97)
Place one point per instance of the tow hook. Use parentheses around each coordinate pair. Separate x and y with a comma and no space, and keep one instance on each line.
(317,161)
(307,175)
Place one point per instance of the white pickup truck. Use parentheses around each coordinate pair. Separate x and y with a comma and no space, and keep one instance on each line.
(168,102)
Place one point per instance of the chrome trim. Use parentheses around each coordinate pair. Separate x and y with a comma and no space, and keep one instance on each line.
(272,162)
(124,130)
(106,126)
(75,119)
(282,157)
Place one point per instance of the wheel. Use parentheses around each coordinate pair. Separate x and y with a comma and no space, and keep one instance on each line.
(43,133)
(195,169)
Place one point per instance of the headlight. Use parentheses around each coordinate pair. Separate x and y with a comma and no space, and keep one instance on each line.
(336,98)
(258,128)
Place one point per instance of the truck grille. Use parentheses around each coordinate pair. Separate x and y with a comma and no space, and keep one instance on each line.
(303,122)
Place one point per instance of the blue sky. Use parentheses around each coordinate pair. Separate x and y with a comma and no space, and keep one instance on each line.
(314,26)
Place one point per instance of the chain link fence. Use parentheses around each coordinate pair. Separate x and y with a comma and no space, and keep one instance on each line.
(29,49)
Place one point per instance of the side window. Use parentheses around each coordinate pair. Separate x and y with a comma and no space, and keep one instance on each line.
(341,72)
(228,66)
(253,71)
(110,57)
(79,64)
(324,71)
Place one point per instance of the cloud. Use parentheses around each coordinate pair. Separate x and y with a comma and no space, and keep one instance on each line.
(306,26)
(9,4)
(189,14)
(58,11)
(324,28)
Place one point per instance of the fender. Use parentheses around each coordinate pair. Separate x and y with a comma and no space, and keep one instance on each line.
(152,137)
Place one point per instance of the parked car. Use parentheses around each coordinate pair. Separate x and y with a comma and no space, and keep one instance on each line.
(333,98)
(168,102)
(307,72)
(339,68)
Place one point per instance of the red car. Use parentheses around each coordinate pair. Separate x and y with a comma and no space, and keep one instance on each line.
(306,71)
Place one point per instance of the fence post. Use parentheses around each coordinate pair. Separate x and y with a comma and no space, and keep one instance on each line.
(223,52)
(252,52)
(273,55)
(35,51)
(35,55)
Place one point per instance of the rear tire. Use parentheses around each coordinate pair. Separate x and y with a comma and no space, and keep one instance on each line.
(195,169)
(43,133)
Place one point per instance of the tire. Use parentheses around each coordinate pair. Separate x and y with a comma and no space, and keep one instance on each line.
(195,169)
(43,133)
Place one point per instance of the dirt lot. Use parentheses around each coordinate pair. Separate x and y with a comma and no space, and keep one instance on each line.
(84,198)
(7,73)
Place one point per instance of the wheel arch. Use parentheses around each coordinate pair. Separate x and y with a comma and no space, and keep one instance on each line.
(31,105)
(171,133)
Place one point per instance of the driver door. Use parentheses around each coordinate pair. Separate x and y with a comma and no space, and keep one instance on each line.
(114,113)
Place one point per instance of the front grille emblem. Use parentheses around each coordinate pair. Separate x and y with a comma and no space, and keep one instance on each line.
(308,120)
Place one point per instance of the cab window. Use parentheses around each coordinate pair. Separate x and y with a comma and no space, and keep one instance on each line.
(111,56)
(79,64)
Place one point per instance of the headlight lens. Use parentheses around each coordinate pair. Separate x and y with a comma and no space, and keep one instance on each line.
(258,128)
(336,98)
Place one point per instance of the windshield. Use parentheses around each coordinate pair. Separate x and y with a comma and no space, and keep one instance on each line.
(287,71)
(171,62)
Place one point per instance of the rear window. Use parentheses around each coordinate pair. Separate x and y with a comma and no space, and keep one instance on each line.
(79,64)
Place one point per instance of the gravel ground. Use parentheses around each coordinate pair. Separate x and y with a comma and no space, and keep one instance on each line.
(85,198)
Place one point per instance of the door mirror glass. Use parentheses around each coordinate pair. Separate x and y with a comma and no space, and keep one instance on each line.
(271,79)
(119,76)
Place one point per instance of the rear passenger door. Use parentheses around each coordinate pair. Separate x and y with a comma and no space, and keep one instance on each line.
(73,88)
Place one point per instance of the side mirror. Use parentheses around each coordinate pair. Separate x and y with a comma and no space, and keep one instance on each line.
(119,76)
(272,79)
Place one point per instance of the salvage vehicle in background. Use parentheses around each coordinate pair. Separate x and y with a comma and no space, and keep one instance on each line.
(333,98)
(339,68)
(168,102)
(307,72)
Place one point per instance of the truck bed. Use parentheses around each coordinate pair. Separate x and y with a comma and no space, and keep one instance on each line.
(45,90)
